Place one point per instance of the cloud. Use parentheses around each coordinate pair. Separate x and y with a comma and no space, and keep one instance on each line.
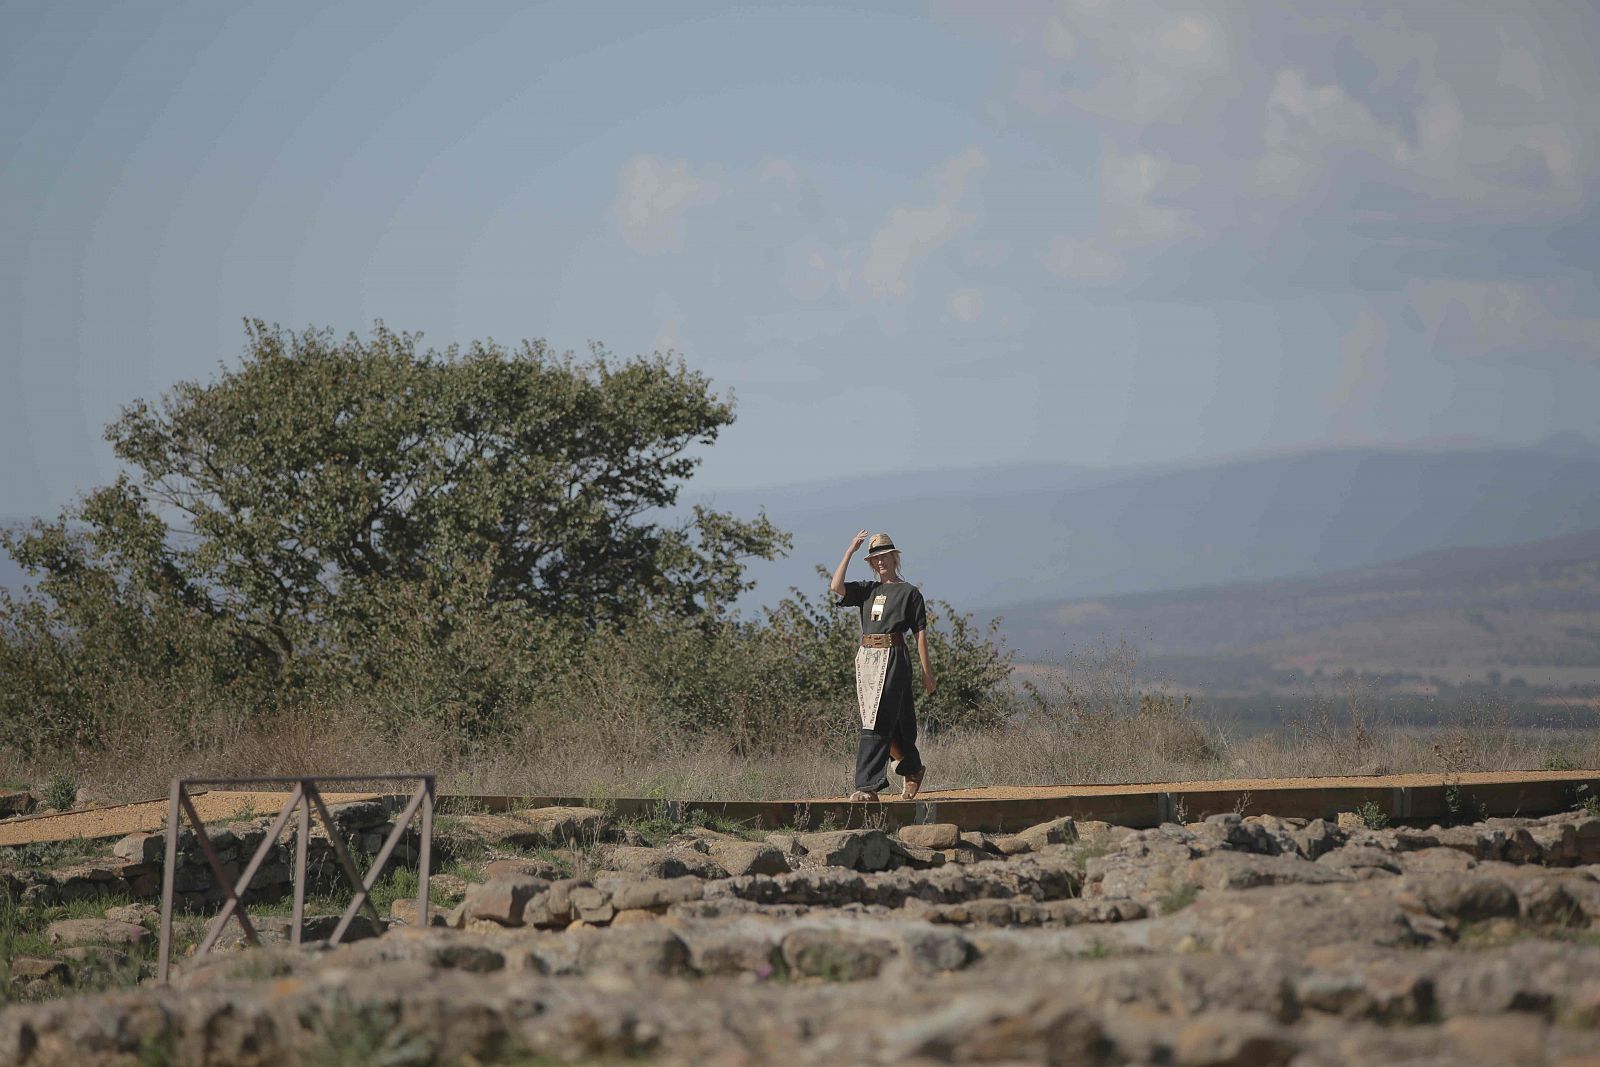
(1136,212)
(653,196)
(1482,320)
(966,305)
(1083,259)
(1132,62)
(910,233)
(1363,371)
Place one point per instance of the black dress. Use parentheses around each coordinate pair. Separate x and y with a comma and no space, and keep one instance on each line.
(883,680)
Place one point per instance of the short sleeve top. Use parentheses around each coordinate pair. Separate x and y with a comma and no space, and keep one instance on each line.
(886,607)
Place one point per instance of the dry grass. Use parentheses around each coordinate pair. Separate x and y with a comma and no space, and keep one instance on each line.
(1104,731)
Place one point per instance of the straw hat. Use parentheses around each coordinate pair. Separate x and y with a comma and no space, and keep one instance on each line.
(880,545)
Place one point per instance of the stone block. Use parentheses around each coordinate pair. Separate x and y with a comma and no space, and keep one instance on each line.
(95,932)
(503,899)
(656,893)
(645,948)
(567,825)
(748,857)
(592,904)
(834,954)
(647,862)
(1055,832)
(531,868)
(936,835)
(141,848)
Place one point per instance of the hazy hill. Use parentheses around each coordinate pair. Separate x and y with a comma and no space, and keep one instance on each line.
(986,538)
(1530,608)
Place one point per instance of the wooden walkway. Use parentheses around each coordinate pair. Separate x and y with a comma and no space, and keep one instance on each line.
(1403,798)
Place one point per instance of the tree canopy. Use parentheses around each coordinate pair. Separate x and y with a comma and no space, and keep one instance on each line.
(280,500)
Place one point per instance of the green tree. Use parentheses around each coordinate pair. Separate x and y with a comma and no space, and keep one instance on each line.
(276,510)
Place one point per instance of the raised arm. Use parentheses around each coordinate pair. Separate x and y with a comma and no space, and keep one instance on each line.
(838,572)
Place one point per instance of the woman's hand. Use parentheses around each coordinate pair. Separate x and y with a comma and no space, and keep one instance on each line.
(929,683)
(837,585)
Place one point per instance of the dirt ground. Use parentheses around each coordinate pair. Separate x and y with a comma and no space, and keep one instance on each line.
(122,819)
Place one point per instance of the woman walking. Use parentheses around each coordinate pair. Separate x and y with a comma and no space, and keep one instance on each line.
(890,607)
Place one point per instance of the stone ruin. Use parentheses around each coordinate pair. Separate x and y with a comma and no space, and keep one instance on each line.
(1233,941)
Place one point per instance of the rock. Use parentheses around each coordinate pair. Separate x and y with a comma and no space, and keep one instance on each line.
(531,868)
(647,948)
(1012,845)
(701,865)
(404,910)
(560,825)
(141,848)
(1233,1039)
(503,899)
(646,862)
(937,835)
(862,850)
(1435,861)
(275,929)
(95,932)
(788,844)
(30,968)
(1055,832)
(592,904)
(357,815)
(502,830)
(835,954)
(657,893)
(836,848)
(1361,861)
(722,951)
(938,950)
(980,842)
(137,914)
(1511,1039)
(1317,839)
(903,855)
(15,802)
(749,857)
(99,955)
(1470,898)
(1244,870)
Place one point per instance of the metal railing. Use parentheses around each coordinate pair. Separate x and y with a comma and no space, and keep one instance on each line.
(304,795)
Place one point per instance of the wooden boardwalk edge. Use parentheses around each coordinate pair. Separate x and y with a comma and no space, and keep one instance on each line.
(1456,798)
(1403,799)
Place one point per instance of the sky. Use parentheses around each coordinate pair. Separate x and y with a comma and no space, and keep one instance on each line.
(904,236)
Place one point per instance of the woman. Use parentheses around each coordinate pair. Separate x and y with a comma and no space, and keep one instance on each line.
(890,608)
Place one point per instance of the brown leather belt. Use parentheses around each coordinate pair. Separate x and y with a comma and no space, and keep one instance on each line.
(882,640)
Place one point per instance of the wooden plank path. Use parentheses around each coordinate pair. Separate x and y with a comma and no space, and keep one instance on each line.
(1403,798)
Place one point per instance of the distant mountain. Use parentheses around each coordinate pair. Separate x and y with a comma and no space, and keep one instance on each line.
(985,538)
(1447,613)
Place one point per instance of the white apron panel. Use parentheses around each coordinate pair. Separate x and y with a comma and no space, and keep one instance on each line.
(872,665)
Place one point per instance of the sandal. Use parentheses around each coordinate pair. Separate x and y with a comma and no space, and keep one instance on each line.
(909,785)
(863,796)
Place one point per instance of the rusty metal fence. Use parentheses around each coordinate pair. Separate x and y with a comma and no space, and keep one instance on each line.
(304,796)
